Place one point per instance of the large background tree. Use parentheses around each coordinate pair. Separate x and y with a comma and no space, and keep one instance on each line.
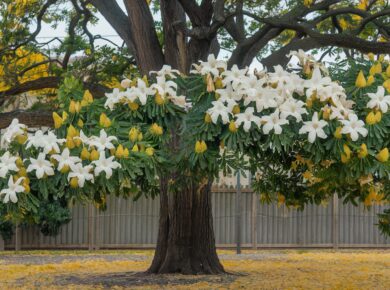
(177,33)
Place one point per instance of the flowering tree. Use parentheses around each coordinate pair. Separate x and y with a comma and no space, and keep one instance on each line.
(303,136)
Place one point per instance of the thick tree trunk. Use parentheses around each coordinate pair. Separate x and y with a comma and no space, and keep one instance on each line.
(186,241)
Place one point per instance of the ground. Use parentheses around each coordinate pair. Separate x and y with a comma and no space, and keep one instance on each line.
(271,269)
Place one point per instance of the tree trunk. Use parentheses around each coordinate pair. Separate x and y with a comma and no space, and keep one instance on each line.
(186,242)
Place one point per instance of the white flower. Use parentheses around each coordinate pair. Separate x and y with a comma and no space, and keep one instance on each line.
(12,190)
(354,127)
(316,83)
(166,70)
(314,128)
(103,141)
(83,138)
(106,165)
(302,56)
(143,91)
(219,109)
(264,98)
(294,108)
(112,99)
(274,122)
(180,101)
(48,142)
(379,100)
(7,163)
(212,66)
(228,94)
(247,118)
(234,75)
(65,159)
(81,173)
(13,130)
(165,87)
(41,166)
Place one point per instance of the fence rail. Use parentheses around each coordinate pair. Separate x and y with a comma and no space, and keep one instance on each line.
(128,224)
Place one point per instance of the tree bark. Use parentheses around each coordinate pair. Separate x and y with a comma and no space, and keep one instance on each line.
(186,242)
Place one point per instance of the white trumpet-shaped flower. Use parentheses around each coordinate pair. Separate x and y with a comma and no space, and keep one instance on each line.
(41,166)
(65,160)
(219,109)
(294,108)
(354,127)
(10,193)
(164,87)
(247,118)
(102,141)
(48,142)
(275,122)
(13,130)
(165,71)
(143,91)
(82,173)
(105,164)
(379,100)
(212,66)
(7,163)
(314,128)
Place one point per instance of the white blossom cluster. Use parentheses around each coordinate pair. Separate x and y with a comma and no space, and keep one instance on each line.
(50,147)
(280,92)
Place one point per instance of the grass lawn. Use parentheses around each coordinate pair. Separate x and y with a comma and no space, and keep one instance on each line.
(271,269)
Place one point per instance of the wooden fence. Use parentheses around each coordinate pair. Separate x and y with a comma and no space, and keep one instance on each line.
(238,219)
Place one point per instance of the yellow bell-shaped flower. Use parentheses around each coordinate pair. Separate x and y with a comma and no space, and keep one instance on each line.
(207,118)
(155,129)
(378,116)
(149,151)
(232,127)
(133,134)
(376,69)
(119,151)
(388,71)
(370,118)
(104,121)
(363,152)
(236,110)
(74,182)
(135,148)
(200,146)
(94,155)
(383,155)
(370,80)
(84,155)
(58,121)
(361,80)
(337,134)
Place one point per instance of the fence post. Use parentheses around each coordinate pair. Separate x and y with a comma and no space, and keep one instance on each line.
(90,227)
(238,213)
(254,214)
(18,238)
(2,243)
(335,224)
(98,229)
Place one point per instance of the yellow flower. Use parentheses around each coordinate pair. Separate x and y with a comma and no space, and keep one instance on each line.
(361,80)
(69,143)
(326,114)
(104,121)
(65,169)
(363,152)
(371,56)
(94,155)
(126,153)
(64,116)
(232,127)
(378,116)
(74,182)
(21,139)
(135,148)
(80,123)
(133,134)
(388,71)
(84,155)
(155,129)
(72,132)
(383,155)
(370,80)
(119,151)
(307,3)
(140,137)
(337,134)
(19,162)
(200,146)
(218,83)
(281,199)
(149,151)
(236,110)
(159,99)
(207,118)
(386,85)
(376,69)
(74,107)
(58,122)
(370,119)
(346,156)
(87,97)
(133,106)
